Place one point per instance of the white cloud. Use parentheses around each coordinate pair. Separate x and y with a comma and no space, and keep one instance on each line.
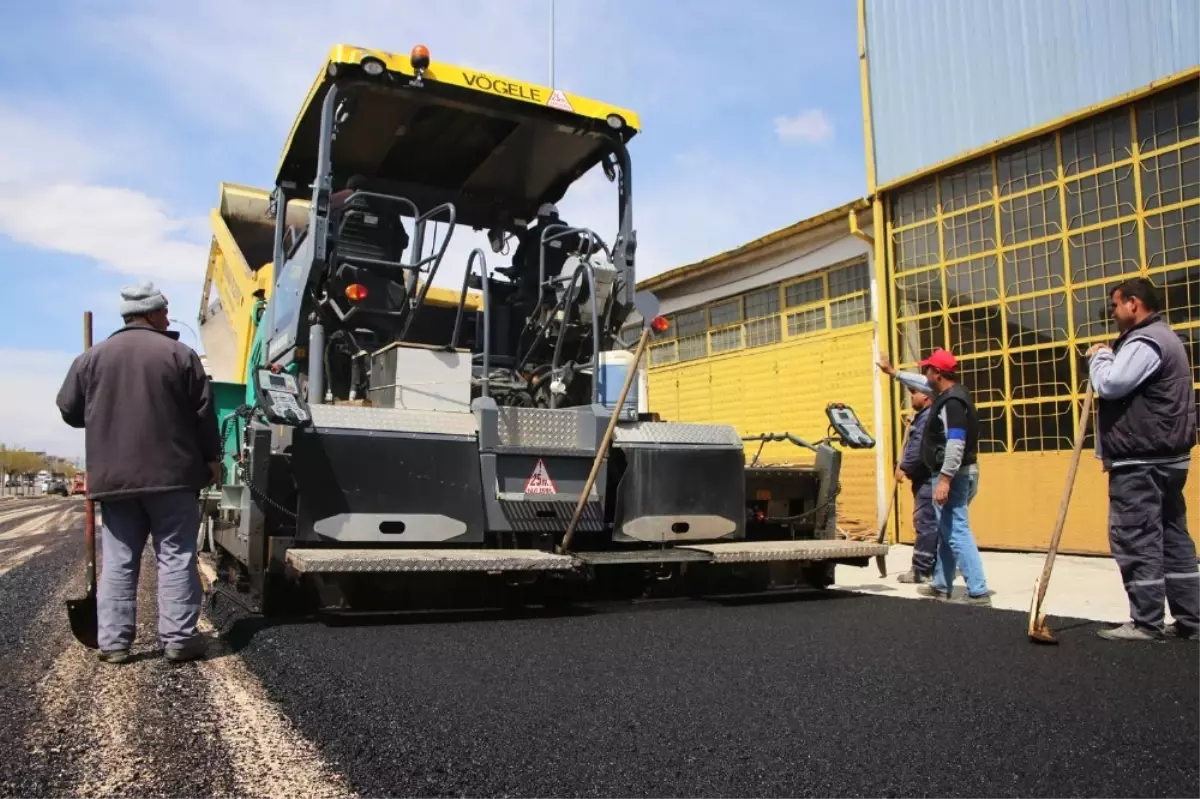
(812,126)
(121,229)
(28,416)
(53,197)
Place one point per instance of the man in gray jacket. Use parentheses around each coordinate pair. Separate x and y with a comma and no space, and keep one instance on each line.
(1146,431)
(152,444)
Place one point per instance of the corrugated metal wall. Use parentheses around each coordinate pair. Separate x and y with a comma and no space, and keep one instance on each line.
(950,76)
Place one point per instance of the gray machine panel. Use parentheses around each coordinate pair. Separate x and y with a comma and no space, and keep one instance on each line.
(652,433)
(393,420)
(546,429)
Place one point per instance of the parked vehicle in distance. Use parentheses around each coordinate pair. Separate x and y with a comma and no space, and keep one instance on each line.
(79,483)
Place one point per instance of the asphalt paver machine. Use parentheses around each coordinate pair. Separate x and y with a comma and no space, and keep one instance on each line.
(384,436)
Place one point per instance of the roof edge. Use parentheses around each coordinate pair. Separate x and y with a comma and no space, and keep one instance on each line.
(683,274)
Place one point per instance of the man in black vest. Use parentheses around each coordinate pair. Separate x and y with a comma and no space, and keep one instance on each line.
(949,450)
(1147,428)
(924,517)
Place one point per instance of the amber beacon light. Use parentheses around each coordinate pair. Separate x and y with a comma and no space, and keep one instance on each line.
(420,57)
(356,292)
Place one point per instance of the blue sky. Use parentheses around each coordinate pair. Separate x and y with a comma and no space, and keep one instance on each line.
(118,121)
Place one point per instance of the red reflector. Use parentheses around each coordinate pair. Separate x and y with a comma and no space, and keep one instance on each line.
(356,292)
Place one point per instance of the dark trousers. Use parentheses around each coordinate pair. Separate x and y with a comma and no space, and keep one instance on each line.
(1147,530)
(925,524)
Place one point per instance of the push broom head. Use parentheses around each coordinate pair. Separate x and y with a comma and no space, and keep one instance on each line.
(1039,633)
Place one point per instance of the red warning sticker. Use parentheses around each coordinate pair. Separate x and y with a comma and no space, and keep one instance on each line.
(559,100)
(539,482)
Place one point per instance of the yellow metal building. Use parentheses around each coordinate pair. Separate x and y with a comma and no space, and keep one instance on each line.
(1071,163)
(1012,186)
(764,336)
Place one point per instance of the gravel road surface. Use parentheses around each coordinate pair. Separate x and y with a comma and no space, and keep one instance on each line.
(839,695)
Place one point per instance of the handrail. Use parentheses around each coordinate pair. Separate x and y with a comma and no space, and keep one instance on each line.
(420,300)
(584,268)
(487,309)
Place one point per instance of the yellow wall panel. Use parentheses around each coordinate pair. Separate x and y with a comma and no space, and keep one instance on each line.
(782,388)
(1018,502)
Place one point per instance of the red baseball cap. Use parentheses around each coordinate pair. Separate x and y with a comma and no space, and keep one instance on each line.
(941,360)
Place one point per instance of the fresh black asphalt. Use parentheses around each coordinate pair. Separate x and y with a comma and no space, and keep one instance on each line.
(836,695)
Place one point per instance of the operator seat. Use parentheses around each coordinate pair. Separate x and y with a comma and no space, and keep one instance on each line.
(366,231)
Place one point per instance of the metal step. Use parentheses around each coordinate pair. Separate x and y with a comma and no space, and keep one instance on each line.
(623,557)
(349,561)
(767,551)
(331,561)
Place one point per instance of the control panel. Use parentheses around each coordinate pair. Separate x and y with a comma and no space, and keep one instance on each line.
(847,426)
(278,395)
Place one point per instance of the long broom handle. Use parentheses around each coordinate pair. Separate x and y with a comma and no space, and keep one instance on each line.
(604,443)
(1065,502)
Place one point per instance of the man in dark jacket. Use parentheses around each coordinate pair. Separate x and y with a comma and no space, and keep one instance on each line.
(914,468)
(152,444)
(1146,431)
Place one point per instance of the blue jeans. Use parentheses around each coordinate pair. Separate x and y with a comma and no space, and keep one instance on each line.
(172,520)
(956,542)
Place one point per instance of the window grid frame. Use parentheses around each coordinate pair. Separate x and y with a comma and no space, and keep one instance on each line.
(1133,159)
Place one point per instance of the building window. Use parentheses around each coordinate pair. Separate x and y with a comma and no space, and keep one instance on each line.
(764,302)
(1009,260)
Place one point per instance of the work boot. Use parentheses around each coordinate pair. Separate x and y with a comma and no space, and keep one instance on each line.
(1131,632)
(913,576)
(1177,630)
(927,590)
(114,656)
(192,650)
(984,601)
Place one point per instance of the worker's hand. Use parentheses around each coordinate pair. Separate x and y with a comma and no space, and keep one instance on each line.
(941,491)
(885,365)
(214,470)
(899,475)
(1095,348)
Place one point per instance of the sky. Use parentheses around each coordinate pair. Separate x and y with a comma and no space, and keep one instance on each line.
(119,120)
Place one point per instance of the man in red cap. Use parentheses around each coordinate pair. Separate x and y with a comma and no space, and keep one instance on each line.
(949,450)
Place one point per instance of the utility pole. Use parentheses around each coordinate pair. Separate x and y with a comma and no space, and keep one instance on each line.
(552,86)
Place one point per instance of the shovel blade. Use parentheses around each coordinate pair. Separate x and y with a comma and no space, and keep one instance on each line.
(81,614)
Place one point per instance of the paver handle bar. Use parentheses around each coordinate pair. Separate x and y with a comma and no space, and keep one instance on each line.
(630,376)
(1037,620)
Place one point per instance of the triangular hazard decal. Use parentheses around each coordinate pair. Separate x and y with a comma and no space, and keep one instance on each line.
(539,482)
(559,100)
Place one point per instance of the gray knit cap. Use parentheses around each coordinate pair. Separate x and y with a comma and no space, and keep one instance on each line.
(141,299)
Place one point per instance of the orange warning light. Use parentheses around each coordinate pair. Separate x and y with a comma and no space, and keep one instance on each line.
(356,292)
(660,324)
(420,57)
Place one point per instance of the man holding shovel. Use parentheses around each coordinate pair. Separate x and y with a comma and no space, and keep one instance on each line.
(1145,434)
(152,444)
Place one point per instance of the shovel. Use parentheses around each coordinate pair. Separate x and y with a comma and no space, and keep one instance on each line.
(81,613)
